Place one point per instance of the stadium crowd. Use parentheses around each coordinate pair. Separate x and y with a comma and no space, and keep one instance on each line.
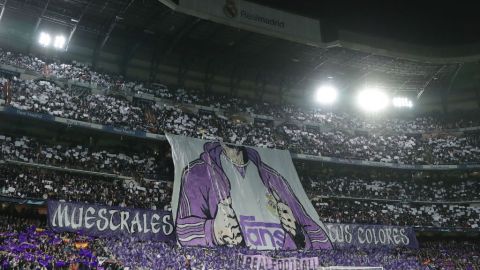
(74,71)
(147,163)
(27,246)
(339,135)
(394,185)
(25,182)
(46,97)
(426,199)
(444,215)
(393,200)
(331,198)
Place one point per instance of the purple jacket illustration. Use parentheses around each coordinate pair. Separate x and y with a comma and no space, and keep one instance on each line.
(204,184)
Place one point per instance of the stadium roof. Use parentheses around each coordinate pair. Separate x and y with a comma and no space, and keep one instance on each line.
(436,24)
(147,25)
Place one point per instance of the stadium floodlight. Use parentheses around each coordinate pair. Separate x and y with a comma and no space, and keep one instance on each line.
(372,100)
(44,39)
(59,42)
(326,94)
(402,102)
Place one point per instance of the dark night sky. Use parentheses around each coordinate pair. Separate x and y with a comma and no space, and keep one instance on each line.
(428,23)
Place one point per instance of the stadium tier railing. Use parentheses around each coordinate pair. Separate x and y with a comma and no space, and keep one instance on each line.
(66,169)
(396,201)
(25,201)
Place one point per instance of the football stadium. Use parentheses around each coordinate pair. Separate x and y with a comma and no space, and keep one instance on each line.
(239,134)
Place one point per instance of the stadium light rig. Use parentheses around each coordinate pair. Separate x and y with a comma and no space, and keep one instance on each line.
(372,100)
(326,94)
(59,42)
(402,102)
(44,39)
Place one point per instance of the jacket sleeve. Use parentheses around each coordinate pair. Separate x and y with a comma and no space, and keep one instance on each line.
(194,222)
(315,236)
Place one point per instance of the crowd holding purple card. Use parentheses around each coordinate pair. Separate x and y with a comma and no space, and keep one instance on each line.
(25,246)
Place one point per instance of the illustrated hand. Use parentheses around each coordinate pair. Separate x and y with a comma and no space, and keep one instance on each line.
(225,225)
(285,214)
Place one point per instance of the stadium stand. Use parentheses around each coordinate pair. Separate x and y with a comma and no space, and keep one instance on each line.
(25,182)
(428,179)
(443,202)
(381,141)
(24,245)
(145,164)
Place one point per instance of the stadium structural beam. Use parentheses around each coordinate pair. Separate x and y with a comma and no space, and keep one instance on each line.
(155,62)
(238,43)
(185,30)
(285,84)
(454,77)
(114,23)
(182,71)
(204,46)
(310,72)
(257,55)
(109,32)
(72,32)
(446,92)
(477,94)
(37,25)
(39,20)
(96,52)
(131,50)
(352,83)
(234,49)
(102,41)
(216,30)
(210,73)
(236,77)
(405,82)
(261,81)
(419,95)
(225,54)
(3,10)
(477,89)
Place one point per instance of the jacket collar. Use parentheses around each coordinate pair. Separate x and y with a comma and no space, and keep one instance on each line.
(213,151)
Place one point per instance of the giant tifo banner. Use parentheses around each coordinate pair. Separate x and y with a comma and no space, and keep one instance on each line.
(363,235)
(231,195)
(99,220)
(253,17)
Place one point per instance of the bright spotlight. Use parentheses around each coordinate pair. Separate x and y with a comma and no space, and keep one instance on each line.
(401,102)
(59,42)
(44,39)
(372,100)
(326,94)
